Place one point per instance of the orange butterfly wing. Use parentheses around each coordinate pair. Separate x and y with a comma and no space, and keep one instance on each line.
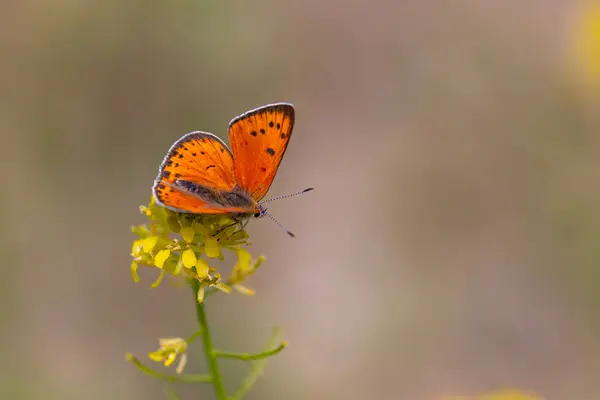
(201,161)
(258,140)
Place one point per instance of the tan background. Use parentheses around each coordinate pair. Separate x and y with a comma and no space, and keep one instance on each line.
(452,245)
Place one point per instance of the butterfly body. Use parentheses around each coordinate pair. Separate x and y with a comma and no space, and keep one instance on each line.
(234,199)
(201,175)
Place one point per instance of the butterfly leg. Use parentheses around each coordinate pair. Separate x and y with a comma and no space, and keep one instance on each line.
(244,223)
(235,222)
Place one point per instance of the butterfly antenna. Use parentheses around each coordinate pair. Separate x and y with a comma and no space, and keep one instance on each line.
(287,195)
(278,223)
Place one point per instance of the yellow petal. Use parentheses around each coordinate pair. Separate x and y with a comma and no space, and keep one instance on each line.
(244,290)
(173,343)
(202,268)
(189,258)
(134,274)
(138,248)
(145,210)
(222,287)
(149,243)
(157,356)
(170,359)
(212,248)
(258,262)
(161,257)
(187,233)
(244,258)
(178,267)
(159,279)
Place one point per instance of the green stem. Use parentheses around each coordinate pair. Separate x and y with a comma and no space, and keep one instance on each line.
(211,359)
(187,378)
(255,371)
(251,357)
(194,337)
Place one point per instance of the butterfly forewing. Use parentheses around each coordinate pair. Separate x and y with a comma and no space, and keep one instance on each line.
(197,167)
(258,141)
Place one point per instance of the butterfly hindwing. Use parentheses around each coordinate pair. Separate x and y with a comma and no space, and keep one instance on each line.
(197,167)
(176,199)
(258,141)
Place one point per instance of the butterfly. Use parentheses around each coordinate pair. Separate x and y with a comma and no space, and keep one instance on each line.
(201,175)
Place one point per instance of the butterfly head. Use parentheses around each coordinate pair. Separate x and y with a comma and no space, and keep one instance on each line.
(260,211)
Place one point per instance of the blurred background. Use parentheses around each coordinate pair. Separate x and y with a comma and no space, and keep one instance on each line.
(452,244)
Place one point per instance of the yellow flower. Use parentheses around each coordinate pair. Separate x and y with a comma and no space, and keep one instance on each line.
(170,349)
(585,50)
(243,269)
(508,394)
(181,244)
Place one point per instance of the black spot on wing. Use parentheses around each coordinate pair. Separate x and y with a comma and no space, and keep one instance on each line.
(270,151)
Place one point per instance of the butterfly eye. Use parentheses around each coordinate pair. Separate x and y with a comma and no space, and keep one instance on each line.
(262,211)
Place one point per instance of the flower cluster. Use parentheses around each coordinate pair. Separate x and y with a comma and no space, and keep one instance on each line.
(184,245)
(169,349)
